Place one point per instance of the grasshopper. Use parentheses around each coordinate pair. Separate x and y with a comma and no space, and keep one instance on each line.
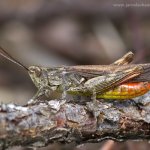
(115,81)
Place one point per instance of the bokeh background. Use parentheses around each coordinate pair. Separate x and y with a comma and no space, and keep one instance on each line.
(70,32)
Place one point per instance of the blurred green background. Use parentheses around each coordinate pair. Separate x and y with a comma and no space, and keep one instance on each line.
(69,32)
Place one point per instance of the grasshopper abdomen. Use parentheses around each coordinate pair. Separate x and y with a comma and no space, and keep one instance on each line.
(126,91)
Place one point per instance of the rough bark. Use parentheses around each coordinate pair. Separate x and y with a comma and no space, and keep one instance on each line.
(53,121)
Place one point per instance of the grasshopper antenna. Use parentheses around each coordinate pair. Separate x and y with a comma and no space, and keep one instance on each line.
(9,57)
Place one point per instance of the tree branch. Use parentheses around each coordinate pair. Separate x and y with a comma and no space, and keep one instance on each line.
(51,121)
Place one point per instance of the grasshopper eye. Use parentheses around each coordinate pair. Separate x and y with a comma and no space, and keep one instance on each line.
(35,70)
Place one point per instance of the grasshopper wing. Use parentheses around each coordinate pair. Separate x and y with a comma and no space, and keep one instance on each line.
(102,84)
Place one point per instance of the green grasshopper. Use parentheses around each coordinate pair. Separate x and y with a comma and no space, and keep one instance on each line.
(93,80)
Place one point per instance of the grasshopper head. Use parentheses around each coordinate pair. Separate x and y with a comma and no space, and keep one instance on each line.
(38,76)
